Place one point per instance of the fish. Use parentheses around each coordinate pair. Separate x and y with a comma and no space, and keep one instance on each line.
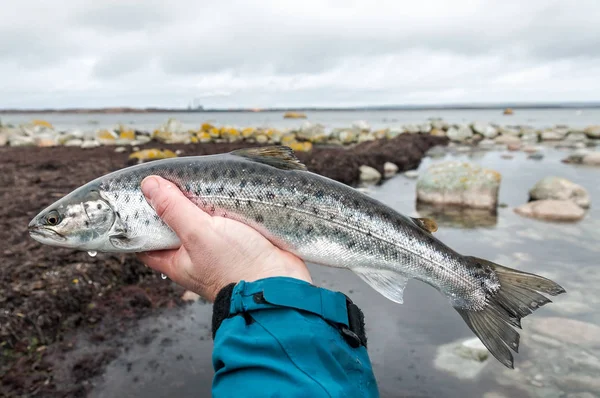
(320,220)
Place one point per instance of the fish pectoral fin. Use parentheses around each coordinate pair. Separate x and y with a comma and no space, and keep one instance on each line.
(426,224)
(123,242)
(389,283)
(279,156)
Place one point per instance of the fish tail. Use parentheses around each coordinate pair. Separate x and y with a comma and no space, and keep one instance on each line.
(518,296)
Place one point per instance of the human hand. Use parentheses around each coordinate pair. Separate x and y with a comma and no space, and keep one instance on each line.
(215,251)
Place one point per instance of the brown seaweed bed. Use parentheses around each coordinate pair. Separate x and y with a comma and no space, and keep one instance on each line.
(50,296)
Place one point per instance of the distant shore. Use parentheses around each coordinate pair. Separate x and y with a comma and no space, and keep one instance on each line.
(122,110)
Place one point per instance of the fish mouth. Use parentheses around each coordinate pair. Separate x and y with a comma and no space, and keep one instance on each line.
(43,232)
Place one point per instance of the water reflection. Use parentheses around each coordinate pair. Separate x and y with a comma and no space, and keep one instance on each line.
(458,217)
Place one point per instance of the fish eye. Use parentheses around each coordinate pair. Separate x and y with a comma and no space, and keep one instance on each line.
(53,218)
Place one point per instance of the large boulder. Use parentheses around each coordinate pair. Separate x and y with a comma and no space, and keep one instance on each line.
(311,132)
(459,184)
(551,210)
(584,157)
(559,188)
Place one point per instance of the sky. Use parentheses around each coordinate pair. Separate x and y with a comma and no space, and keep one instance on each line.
(279,53)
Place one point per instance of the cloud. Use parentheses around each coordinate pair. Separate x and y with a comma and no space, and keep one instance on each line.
(280,53)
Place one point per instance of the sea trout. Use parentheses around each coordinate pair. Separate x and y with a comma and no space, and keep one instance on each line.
(318,219)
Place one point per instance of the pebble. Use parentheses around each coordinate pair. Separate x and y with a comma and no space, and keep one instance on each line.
(486,130)
(507,140)
(592,131)
(551,210)
(412,174)
(74,142)
(90,144)
(536,156)
(3,139)
(507,156)
(120,149)
(389,169)
(463,359)
(459,134)
(369,175)
(190,296)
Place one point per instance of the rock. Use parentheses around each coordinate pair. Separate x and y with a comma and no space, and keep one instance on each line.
(188,295)
(120,149)
(294,115)
(106,137)
(389,169)
(425,128)
(536,156)
(463,359)
(568,331)
(530,149)
(505,139)
(592,131)
(507,156)
(508,111)
(74,142)
(309,131)
(494,394)
(560,189)
(151,154)
(90,144)
(412,174)
(584,157)
(436,152)
(46,140)
(460,134)
(438,132)
(513,146)
(551,210)
(473,349)
(553,135)
(487,143)
(412,128)
(530,137)
(577,382)
(347,136)
(361,125)
(576,137)
(262,139)
(364,137)
(305,146)
(369,174)
(3,139)
(484,129)
(439,124)
(510,131)
(460,184)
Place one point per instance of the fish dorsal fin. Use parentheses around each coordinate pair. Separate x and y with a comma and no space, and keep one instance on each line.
(388,283)
(426,224)
(279,156)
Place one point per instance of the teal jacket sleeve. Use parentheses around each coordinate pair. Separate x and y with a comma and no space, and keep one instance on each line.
(282,337)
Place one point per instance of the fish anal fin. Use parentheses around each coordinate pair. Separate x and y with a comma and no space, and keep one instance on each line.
(426,224)
(390,284)
(279,156)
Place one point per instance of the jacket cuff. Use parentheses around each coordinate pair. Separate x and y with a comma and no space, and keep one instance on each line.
(284,292)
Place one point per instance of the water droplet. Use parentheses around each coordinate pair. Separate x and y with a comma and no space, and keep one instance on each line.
(92,253)
(163,276)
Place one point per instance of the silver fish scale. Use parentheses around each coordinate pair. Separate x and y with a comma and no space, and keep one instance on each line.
(318,219)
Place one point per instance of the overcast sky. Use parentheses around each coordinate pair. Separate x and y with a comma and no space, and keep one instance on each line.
(79,53)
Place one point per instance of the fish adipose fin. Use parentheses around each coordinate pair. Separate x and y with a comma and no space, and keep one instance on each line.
(427,224)
(389,283)
(518,296)
(279,156)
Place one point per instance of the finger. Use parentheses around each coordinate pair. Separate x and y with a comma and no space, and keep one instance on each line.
(173,207)
(160,260)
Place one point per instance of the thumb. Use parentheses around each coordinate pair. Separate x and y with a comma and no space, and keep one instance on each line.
(174,208)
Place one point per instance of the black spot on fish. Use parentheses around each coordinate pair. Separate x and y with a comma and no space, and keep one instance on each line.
(303,200)
(232,173)
(280,180)
(147,222)
(259,218)
(127,218)
(237,203)
(221,189)
(231,194)
(351,244)
(187,187)
(127,198)
(260,198)
(309,229)
(243,183)
(370,215)
(356,202)
(99,206)
(208,190)
(319,194)
(141,198)
(212,208)
(332,216)
(198,191)
(116,195)
(156,217)
(249,203)
(214,174)
(297,222)
(258,181)
(181,174)
(87,223)
(315,210)
(270,195)
(118,214)
(369,233)
(86,205)
(136,215)
(285,204)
